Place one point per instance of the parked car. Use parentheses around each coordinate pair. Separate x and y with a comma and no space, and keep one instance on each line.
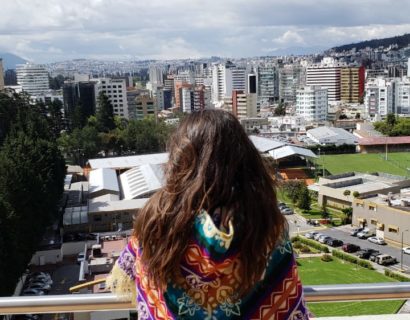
(365,253)
(313,222)
(364,234)
(374,255)
(317,235)
(32,292)
(350,247)
(334,242)
(385,259)
(406,250)
(80,257)
(310,234)
(324,239)
(355,231)
(377,240)
(286,211)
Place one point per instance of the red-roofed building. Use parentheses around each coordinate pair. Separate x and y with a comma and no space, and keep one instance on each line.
(379,144)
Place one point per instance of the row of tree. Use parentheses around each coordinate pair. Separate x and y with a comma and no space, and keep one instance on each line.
(103,134)
(393,126)
(32,172)
(298,193)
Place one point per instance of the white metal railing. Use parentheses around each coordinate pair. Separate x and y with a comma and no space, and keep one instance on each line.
(109,301)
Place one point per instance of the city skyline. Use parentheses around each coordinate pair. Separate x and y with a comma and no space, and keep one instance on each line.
(98,29)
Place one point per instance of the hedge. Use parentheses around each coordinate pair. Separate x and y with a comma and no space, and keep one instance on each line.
(396,275)
(350,258)
(312,243)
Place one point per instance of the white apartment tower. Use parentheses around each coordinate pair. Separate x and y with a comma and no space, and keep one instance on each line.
(326,75)
(33,79)
(1,75)
(226,78)
(402,96)
(378,99)
(311,103)
(115,90)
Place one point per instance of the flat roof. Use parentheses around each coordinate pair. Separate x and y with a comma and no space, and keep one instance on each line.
(128,161)
(110,206)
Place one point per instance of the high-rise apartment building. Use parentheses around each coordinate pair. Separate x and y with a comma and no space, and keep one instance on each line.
(1,75)
(145,106)
(379,98)
(326,75)
(81,94)
(226,78)
(115,90)
(33,79)
(156,76)
(402,96)
(311,103)
(291,78)
(352,84)
(10,77)
(268,84)
(241,104)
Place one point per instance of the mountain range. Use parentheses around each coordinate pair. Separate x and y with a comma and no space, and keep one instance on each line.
(10,60)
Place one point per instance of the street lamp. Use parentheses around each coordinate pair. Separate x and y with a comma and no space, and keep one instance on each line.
(401,260)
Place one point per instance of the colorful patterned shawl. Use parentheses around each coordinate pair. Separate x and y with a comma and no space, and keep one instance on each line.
(209,282)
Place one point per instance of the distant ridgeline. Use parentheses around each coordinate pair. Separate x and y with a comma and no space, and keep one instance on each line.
(401,41)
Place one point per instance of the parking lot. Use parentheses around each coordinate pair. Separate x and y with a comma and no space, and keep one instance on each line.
(298,225)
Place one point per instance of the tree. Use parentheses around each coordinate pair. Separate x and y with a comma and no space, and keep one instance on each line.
(346,193)
(55,117)
(324,213)
(348,212)
(280,110)
(304,198)
(356,194)
(77,117)
(293,189)
(105,114)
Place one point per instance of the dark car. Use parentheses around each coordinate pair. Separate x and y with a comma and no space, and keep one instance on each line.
(334,242)
(350,247)
(365,253)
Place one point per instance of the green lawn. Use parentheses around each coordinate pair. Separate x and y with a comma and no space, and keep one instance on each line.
(313,271)
(397,164)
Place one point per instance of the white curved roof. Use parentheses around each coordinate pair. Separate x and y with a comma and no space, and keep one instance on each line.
(287,151)
(142,181)
(265,144)
(128,161)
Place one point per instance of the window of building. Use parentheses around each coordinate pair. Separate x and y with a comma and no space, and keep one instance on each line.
(393,229)
(372,208)
(373,221)
(97,218)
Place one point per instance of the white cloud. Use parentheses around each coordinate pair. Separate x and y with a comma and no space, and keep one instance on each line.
(59,29)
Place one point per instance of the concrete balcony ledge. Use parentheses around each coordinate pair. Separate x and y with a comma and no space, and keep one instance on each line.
(378,317)
(108,302)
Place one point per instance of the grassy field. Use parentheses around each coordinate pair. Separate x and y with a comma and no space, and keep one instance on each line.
(397,163)
(313,271)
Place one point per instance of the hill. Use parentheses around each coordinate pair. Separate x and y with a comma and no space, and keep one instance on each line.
(401,41)
(10,60)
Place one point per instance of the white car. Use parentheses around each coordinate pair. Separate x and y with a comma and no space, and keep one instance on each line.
(406,250)
(317,236)
(377,240)
(311,234)
(323,239)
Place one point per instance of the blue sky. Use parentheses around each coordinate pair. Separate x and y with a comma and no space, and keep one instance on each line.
(53,30)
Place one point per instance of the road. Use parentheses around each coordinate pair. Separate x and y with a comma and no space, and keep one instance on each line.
(343,233)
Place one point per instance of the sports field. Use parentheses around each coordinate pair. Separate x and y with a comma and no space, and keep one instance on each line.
(397,163)
(313,271)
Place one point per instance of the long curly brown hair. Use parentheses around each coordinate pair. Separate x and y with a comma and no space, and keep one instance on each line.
(212,164)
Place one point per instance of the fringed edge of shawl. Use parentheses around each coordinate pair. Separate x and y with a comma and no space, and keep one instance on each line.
(121,284)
